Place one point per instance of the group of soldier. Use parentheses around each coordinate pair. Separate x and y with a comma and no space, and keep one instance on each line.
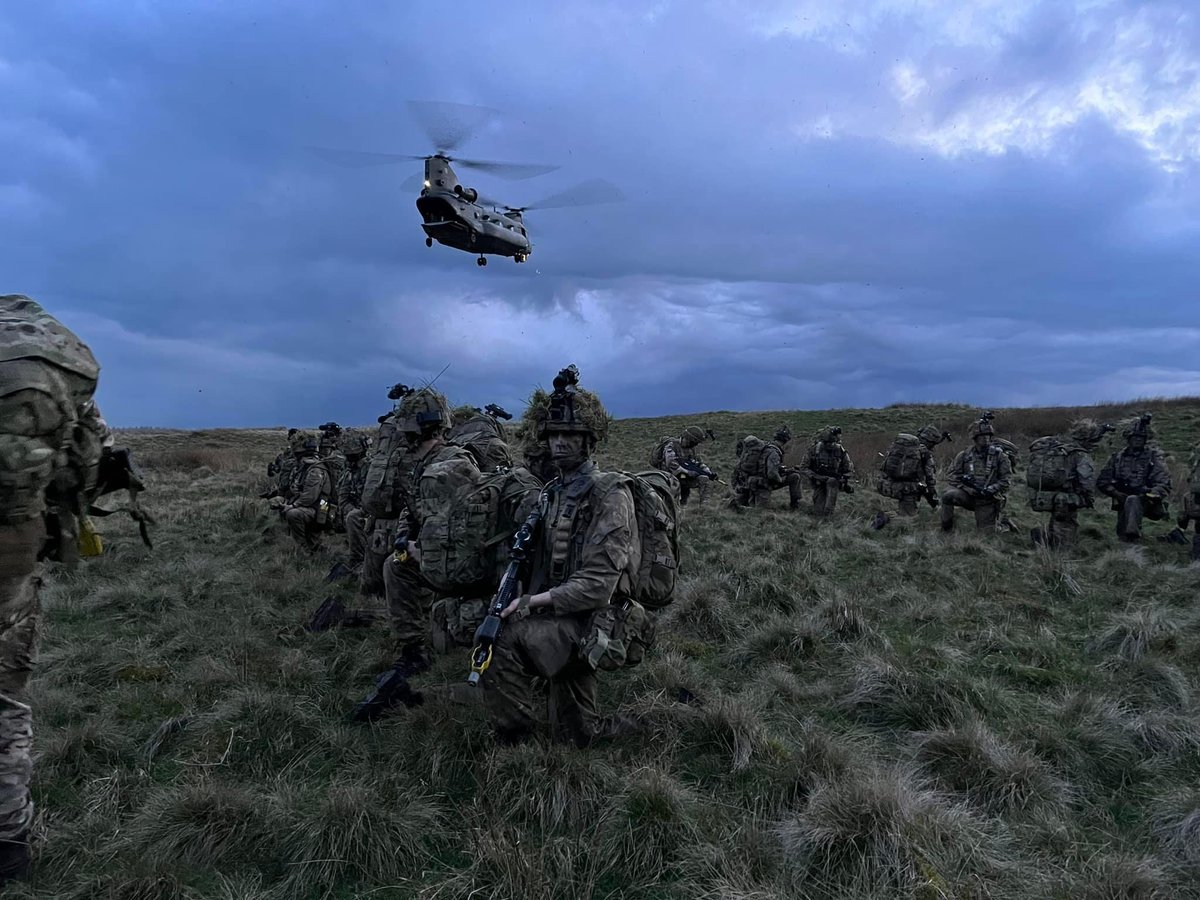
(594,549)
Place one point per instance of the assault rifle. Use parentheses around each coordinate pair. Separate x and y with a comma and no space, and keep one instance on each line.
(695,469)
(333,613)
(497,412)
(510,585)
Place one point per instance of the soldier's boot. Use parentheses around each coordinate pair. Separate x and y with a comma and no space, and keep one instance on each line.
(613,728)
(794,504)
(15,860)
(412,660)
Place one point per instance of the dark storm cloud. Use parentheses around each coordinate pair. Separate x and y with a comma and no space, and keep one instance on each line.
(913,201)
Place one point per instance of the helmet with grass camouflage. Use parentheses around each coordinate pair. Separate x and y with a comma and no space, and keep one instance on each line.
(462,414)
(424,411)
(692,436)
(354,442)
(303,442)
(831,434)
(930,436)
(570,408)
(1088,432)
(783,434)
(983,426)
(1138,427)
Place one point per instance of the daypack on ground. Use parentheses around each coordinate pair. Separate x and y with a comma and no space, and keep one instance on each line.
(1051,466)
(464,544)
(383,486)
(653,582)
(483,438)
(902,461)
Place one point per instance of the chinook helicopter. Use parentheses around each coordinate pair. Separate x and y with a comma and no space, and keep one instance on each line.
(462,217)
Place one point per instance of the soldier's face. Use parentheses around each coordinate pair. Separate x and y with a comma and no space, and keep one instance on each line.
(1137,442)
(567,446)
(983,440)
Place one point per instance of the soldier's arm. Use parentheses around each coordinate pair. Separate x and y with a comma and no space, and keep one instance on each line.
(1003,473)
(808,469)
(1085,475)
(957,469)
(607,546)
(774,459)
(929,471)
(1106,482)
(847,463)
(1158,479)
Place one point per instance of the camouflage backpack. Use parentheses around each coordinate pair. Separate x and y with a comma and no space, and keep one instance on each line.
(464,543)
(653,582)
(750,463)
(383,492)
(483,438)
(902,461)
(1051,465)
(658,456)
(1010,450)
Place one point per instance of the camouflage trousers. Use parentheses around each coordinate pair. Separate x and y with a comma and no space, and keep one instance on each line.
(1132,510)
(543,646)
(410,600)
(987,509)
(687,485)
(302,526)
(1062,529)
(377,550)
(757,492)
(825,494)
(356,522)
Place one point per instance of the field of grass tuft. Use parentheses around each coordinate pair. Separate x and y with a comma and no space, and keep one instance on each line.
(831,711)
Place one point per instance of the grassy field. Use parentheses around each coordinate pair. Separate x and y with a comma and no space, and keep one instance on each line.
(831,711)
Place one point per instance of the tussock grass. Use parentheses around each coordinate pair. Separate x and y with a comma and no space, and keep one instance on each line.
(830,711)
(885,831)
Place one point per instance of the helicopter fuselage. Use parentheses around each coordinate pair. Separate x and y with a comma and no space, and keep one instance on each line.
(452,215)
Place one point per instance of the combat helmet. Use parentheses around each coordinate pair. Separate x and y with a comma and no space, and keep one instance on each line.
(1088,432)
(570,408)
(693,436)
(983,425)
(354,442)
(303,442)
(424,411)
(831,434)
(930,436)
(1139,427)
(783,434)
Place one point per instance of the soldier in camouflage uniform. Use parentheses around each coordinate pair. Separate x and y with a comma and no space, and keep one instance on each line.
(441,471)
(50,446)
(1190,512)
(1062,529)
(829,470)
(349,491)
(907,491)
(581,557)
(758,474)
(280,468)
(309,505)
(1137,479)
(979,479)
(329,448)
(678,457)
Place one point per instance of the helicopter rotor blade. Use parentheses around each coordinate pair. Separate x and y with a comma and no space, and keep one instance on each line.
(360,159)
(507,171)
(449,125)
(413,182)
(586,193)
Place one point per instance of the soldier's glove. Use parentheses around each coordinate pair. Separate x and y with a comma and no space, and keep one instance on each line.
(278,503)
(991,490)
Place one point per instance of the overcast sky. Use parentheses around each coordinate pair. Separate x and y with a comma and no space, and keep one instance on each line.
(829,203)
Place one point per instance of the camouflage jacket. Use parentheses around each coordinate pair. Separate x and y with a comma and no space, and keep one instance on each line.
(986,467)
(350,486)
(771,463)
(312,484)
(286,472)
(437,477)
(585,544)
(827,459)
(1135,471)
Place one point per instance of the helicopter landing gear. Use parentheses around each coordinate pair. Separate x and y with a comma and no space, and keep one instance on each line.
(482,261)
(519,257)
(428,242)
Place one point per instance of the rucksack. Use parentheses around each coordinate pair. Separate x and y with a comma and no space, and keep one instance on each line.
(383,492)
(653,581)
(1010,450)
(750,462)
(483,438)
(464,544)
(1051,465)
(658,456)
(902,462)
